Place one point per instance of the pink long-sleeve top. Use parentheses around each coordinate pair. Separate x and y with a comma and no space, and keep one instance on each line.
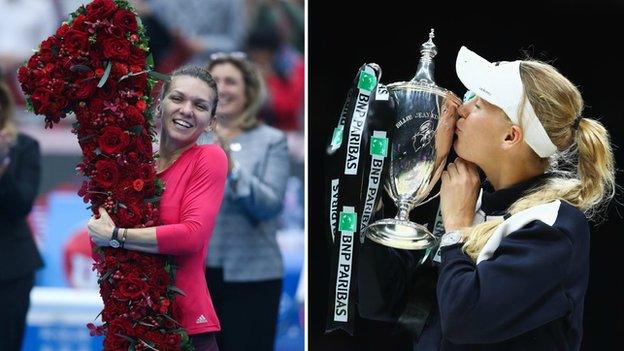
(194,186)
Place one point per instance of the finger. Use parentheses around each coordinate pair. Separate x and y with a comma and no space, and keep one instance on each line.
(102,212)
(461,166)
(444,177)
(453,98)
(452,170)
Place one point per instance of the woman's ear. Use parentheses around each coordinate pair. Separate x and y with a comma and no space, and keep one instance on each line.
(513,137)
(157,109)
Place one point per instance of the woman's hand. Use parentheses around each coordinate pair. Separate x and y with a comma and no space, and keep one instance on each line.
(101,229)
(446,127)
(458,194)
(224,142)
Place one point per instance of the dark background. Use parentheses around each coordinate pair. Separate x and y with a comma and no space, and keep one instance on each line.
(583,39)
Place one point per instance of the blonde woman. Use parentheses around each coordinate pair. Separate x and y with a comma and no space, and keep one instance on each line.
(244,264)
(513,276)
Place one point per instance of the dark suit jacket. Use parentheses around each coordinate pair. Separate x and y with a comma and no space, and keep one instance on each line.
(19,186)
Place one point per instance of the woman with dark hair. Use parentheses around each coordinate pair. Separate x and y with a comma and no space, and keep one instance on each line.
(245,263)
(194,179)
(20,168)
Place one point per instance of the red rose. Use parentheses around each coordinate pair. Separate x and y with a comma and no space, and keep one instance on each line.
(136,83)
(23,74)
(134,115)
(138,184)
(41,98)
(79,23)
(62,30)
(119,70)
(146,172)
(88,150)
(75,41)
(142,105)
(101,9)
(107,173)
(96,106)
(144,145)
(57,86)
(113,140)
(34,62)
(48,50)
(125,20)
(85,89)
(116,49)
(137,57)
(132,287)
(109,91)
(122,191)
(173,340)
(118,326)
(130,215)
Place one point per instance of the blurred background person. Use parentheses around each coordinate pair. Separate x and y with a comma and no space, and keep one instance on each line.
(20,165)
(202,27)
(23,25)
(245,266)
(283,70)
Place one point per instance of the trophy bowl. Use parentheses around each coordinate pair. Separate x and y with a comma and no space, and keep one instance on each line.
(417,156)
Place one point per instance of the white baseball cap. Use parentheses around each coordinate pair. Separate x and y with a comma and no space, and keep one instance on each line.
(500,84)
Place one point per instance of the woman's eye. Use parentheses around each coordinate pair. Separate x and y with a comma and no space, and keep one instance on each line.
(176,98)
(201,107)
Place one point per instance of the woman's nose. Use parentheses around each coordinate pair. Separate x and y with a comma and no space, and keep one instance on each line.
(186,108)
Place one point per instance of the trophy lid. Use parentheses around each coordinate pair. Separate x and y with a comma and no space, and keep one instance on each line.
(424,73)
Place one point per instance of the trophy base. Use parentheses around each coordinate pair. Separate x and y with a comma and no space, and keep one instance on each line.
(400,234)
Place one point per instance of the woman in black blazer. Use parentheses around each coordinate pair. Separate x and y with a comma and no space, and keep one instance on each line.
(19,258)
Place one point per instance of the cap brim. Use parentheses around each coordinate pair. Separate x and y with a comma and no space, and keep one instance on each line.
(472,71)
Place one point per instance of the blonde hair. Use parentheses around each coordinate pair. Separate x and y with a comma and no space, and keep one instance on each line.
(255,90)
(583,169)
(7,107)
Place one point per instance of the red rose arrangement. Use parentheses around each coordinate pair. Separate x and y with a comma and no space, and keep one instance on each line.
(96,66)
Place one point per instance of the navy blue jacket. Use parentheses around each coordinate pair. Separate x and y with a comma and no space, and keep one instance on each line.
(526,292)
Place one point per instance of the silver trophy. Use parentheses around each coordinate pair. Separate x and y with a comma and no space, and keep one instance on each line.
(420,145)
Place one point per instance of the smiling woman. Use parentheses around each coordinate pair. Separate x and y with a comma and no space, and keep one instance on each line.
(194,176)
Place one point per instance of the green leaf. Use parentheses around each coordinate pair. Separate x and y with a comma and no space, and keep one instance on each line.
(131,74)
(105,276)
(136,130)
(106,74)
(29,106)
(169,318)
(176,290)
(148,345)
(160,76)
(150,60)
(80,68)
(154,199)
(125,337)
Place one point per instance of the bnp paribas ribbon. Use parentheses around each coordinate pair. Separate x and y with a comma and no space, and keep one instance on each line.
(387,137)
(355,163)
